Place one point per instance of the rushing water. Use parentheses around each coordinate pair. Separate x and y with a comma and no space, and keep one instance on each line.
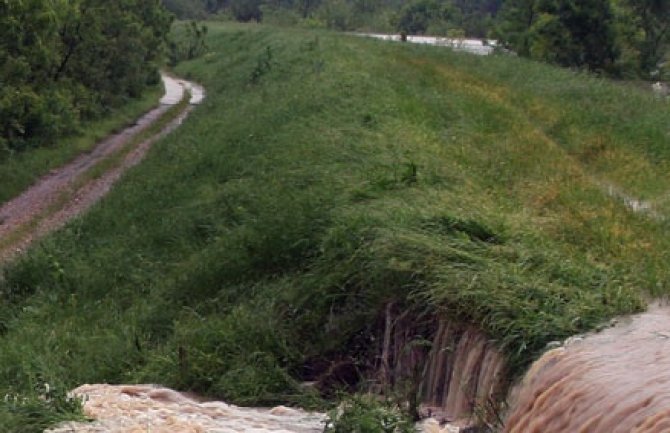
(464,372)
(472,46)
(145,408)
(460,372)
(151,409)
(617,381)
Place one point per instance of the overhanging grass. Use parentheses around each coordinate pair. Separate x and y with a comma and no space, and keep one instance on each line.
(324,176)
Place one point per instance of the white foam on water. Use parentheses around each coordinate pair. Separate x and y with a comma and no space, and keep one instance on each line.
(153,409)
(175,88)
(473,46)
(147,408)
(174,91)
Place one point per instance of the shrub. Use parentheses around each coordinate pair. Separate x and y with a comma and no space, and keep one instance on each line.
(366,414)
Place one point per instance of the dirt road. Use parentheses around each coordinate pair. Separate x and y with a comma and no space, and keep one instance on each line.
(67,192)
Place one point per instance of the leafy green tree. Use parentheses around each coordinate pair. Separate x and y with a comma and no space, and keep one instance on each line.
(566,32)
(247,10)
(417,16)
(575,33)
(336,14)
(652,17)
(66,60)
(189,9)
(475,17)
(514,23)
(188,44)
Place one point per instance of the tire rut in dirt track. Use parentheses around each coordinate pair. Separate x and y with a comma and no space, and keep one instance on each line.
(40,209)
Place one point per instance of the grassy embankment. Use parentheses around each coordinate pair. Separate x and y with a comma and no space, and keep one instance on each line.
(324,176)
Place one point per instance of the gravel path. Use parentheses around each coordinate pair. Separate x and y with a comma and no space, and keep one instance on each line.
(56,198)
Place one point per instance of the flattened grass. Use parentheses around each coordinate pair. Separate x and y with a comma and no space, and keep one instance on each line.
(326,175)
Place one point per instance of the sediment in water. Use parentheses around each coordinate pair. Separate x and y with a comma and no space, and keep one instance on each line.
(147,408)
(457,371)
(617,381)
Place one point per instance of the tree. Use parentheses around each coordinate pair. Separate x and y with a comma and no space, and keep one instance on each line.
(66,60)
(575,33)
(566,32)
(652,17)
(514,23)
(246,10)
(417,16)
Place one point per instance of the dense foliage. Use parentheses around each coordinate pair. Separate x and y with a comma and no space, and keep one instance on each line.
(366,414)
(441,17)
(65,61)
(614,36)
(618,37)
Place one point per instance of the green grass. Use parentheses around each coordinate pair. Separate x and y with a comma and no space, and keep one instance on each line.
(20,170)
(111,162)
(326,175)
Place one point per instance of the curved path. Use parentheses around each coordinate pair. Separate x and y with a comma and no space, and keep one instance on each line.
(63,193)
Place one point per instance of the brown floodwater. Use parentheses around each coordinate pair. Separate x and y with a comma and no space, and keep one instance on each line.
(615,381)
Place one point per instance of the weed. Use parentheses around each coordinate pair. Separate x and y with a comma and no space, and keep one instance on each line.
(36,412)
(264,64)
(367,414)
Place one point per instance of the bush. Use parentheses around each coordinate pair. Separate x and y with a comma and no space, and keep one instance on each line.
(366,414)
(187,44)
(36,412)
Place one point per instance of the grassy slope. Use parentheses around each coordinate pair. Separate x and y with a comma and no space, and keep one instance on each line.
(21,170)
(326,175)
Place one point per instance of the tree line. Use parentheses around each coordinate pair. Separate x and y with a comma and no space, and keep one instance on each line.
(618,37)
(66,61)
(472,17)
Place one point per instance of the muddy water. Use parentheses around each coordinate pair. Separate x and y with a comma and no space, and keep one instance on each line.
(617,381)
(465,371)
(460,372)
(145,408)
(151,409)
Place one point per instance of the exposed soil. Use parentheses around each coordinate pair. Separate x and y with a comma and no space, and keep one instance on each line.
(60,196)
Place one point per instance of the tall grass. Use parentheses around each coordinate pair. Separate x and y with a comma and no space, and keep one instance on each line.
(324,176)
